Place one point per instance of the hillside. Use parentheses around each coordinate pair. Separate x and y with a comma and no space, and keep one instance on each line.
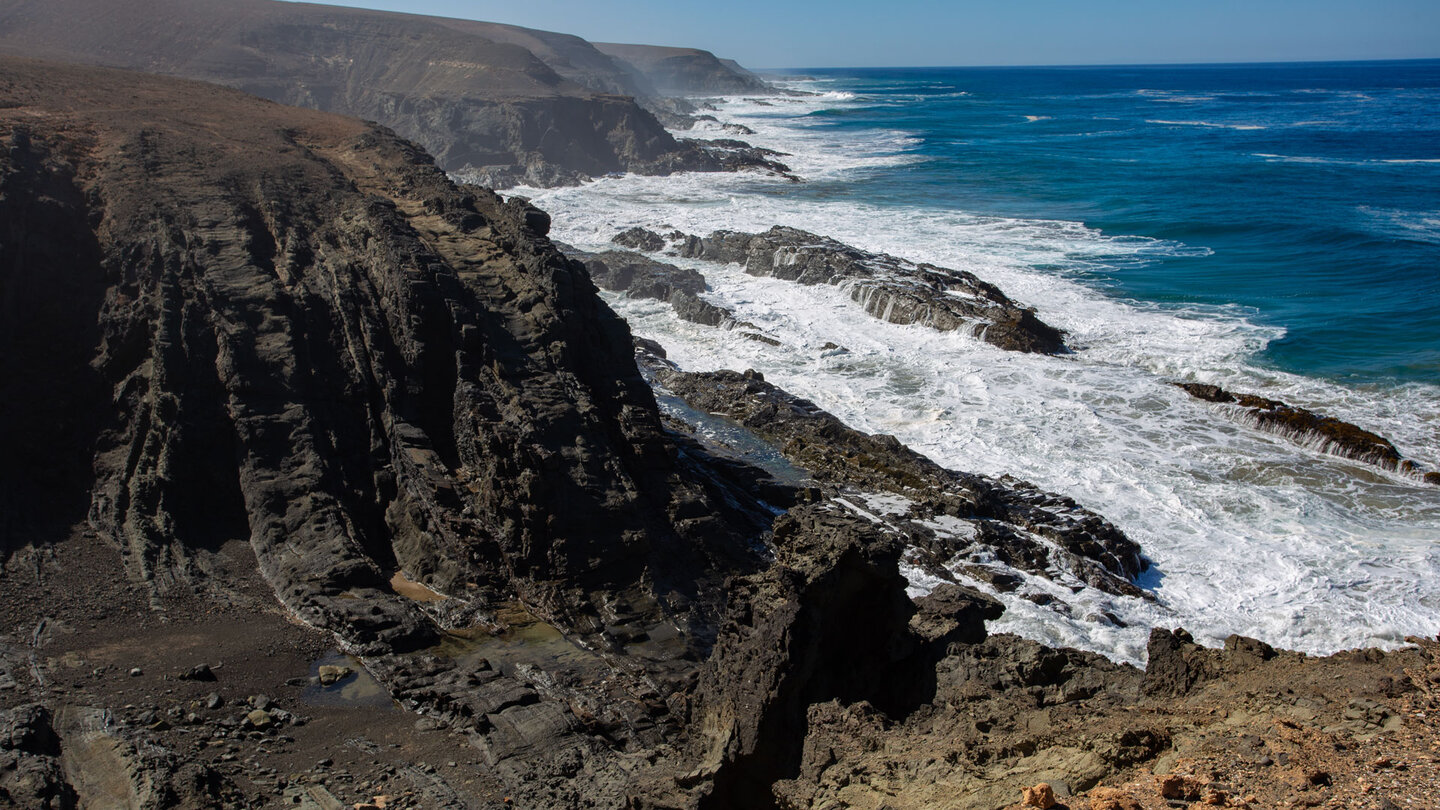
(475,95)
(687,71)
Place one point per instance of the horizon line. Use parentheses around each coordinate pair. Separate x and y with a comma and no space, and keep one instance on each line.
(1233,63)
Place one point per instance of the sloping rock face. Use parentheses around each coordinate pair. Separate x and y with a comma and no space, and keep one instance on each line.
(686,71)
(484,106)
(309,337)
(889,288)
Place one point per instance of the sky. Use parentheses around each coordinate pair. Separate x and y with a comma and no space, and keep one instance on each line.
(893,33)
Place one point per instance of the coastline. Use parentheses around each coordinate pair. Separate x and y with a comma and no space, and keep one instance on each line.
(1205,496)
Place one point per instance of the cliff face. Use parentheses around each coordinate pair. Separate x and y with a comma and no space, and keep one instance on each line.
(473,94)
(309,337)
(687,71)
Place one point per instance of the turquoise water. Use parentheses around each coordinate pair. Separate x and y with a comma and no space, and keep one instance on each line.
(1307,194)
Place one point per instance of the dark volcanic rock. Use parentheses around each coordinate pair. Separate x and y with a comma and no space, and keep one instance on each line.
(1176,664)
(889,288)
(641,277)
(318,344)
(1323,433)
(471,93)
(640,239)
(31,773)
(1024,527)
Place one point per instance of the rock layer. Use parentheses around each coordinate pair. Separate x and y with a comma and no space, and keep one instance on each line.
(316,341)
(889,288)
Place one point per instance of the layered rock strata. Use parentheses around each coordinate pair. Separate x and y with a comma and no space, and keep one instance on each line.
(312,339)
(1323,433)
(889,288)
(641,277)
(473,94)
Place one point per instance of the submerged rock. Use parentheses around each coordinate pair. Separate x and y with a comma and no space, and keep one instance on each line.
(1323,433)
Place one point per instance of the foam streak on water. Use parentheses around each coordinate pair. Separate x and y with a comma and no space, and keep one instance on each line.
(1248,533)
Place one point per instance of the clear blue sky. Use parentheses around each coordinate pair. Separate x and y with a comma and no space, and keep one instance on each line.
(852,33)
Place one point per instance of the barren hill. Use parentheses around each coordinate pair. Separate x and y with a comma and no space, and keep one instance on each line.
(474,94)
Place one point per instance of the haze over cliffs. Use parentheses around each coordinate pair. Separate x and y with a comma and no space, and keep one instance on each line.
(504,104)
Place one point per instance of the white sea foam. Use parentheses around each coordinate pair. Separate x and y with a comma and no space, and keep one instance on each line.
(1206,124)
(1249,533)
(1422,226)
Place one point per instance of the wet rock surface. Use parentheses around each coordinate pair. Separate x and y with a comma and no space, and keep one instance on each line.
(889,288)
(1324,433)
(1024,527)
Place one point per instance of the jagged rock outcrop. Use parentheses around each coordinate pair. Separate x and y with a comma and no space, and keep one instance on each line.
(686,71)
(641,277)
(1323,433)
(471,93)
(315,341)
(1176,664)
(889,288)
(31,774)
(945,513)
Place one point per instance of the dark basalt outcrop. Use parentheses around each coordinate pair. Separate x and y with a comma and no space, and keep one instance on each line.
(317,342)
(471,93)
(640,277)
(889,288)
(1323,433)
(686,71)
(1023,526)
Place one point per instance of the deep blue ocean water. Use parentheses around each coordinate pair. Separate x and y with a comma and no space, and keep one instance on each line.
(1307,194)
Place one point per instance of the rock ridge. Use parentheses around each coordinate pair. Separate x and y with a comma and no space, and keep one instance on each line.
(887,287)
(473,94)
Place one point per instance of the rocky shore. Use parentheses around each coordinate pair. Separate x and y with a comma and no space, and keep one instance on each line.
(329,482)
(887,287)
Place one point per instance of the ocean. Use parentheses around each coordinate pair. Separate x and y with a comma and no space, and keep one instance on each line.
(1274,229)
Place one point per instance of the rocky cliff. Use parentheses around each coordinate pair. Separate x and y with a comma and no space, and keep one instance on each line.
(475,95)
(687,71)
(277,391)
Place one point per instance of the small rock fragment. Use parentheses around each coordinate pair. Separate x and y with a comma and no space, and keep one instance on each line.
(199,672)
(1041,795)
